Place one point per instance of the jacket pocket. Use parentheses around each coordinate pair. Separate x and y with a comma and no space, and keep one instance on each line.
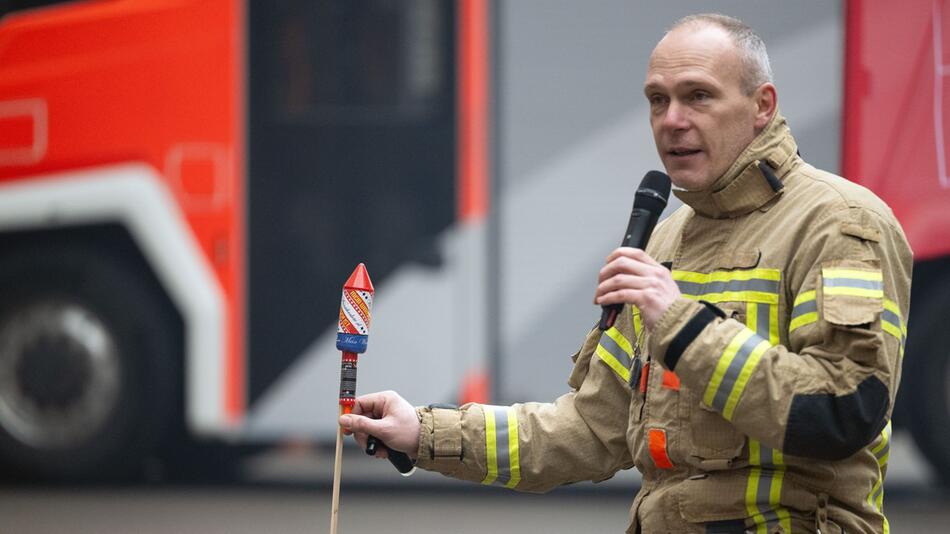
(714,442)
(852,293)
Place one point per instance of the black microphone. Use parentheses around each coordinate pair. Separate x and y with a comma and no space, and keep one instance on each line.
(648,204)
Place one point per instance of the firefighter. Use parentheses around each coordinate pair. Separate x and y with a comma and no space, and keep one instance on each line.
(752,373)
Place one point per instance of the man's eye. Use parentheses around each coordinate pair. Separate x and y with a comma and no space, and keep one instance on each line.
(657,100)
(700,96)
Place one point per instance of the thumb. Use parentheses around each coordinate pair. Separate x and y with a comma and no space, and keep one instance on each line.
(361,424)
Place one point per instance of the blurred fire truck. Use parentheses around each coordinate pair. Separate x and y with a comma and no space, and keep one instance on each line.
(185,184)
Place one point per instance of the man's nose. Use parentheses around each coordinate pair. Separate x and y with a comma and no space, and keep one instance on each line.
(676,117)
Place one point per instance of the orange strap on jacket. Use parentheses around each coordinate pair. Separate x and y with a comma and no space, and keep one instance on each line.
(657,438)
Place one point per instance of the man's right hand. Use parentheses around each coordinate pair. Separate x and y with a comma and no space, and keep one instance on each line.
(388,417)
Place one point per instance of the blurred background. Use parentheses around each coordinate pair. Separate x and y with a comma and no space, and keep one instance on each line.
(185,185)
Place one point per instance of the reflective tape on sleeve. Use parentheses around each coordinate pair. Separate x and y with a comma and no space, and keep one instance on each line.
(881,451)
(804,311)
(892,323)
(733,370)
(502,454)
(615,350)
(852,282)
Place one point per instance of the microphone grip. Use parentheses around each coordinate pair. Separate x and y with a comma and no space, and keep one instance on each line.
(400,460)
(609,315)
(638,233)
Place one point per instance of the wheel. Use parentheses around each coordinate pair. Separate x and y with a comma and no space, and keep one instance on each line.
(87,372)
(926,381)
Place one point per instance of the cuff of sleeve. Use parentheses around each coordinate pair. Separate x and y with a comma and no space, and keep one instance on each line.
(440,437)
(682,322)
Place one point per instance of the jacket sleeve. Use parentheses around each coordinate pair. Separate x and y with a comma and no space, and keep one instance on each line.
(827,389)
(538,446)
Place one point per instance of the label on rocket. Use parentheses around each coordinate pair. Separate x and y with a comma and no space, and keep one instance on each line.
(351,342)
(355,309)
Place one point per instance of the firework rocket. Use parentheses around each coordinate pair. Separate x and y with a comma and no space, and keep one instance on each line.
(353,331)
(351,338)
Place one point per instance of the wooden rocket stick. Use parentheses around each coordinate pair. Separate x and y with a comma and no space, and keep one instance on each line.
(351,339)
(337,471)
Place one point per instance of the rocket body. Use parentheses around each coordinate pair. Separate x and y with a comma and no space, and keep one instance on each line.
(352,332)
(356,307)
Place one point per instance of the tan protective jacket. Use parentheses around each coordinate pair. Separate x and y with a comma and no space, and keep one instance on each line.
(762,398)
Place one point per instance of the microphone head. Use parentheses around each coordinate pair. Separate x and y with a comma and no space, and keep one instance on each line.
(653,193)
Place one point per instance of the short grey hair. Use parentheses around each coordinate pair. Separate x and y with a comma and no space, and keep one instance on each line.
(755,59)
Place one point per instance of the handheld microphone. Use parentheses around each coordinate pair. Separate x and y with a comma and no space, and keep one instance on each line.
(648,203)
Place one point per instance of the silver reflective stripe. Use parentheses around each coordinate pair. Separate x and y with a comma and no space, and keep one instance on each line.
(732,373)
(891,317)
(762,320)
(854,282)
(501,445)
(763,492)
(755,284)
(810,306)
(615,350)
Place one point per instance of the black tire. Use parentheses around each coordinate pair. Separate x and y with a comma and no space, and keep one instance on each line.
(926,380)
(89,356)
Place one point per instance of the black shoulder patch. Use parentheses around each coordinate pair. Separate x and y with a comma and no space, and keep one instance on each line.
(830,427)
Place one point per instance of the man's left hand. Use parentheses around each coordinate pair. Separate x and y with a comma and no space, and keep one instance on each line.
(633,277)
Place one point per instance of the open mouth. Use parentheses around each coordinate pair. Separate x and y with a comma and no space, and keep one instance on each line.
(679,152)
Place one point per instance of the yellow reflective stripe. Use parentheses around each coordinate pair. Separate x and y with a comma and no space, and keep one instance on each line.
(804,311)
(881,452)
(513,452)
(613,363)
(871,502)
(764,488)
(891,329)
(752,487)
(857,274)
(491,457)
(784,518)
(804,297)
(892,307)
(753,285)
(854,292)
(751,507)
(620,340)
(743,379)
(726,276)
(723,365)
(752,316)
(736,296)
(802,320)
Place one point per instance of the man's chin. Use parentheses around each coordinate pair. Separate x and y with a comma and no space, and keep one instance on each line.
(688,180)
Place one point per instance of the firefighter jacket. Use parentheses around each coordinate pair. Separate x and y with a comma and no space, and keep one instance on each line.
(761,399)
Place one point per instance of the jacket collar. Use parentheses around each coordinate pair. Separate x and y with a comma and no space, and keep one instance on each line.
(745,187)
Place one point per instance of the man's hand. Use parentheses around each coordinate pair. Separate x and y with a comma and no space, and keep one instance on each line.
(631,276)
(388,417)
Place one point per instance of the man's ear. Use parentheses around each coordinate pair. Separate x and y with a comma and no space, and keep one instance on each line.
(766,102)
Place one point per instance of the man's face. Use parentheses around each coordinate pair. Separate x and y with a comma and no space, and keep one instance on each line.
(701,118)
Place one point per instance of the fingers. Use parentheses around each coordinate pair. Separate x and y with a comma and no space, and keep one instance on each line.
(372,404)
(625,260)
(634,254)
(386,416)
